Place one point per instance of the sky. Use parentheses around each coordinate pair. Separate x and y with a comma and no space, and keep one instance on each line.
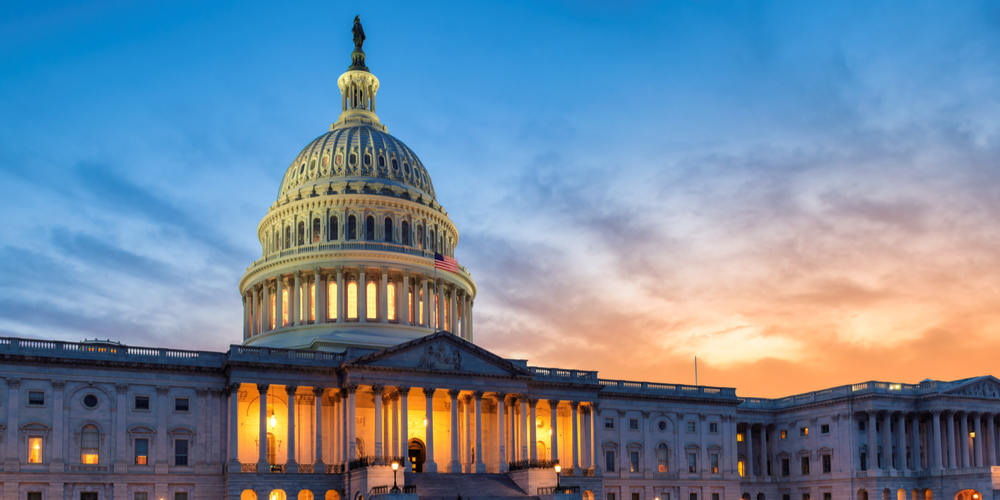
(801,194)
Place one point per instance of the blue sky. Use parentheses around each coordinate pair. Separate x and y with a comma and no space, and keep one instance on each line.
(789,190)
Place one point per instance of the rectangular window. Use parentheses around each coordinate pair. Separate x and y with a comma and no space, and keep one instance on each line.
(714,458)
(611,495)
(715,496)
(141,451)
(34,495)
(690,427)
(713,427)
(635,496)
(692,462)
(786,496)
(609,423)
(803,431)
(805,466)
(181,404)
(784,434)
(861,425)
(181,452)
(693,496)
(784,467)
(828,496)
(740,466)
(184,496)
(140,495)
(633,424)
(805,496)
(36,398)
(864,461)
(142,402)
(609,461)
(827,465)
(35,450)
(633,457)
(739,437)
(824,429)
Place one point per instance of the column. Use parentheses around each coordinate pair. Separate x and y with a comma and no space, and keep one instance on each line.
(295,300)
(479,465)
(362,296)
(872,443)
(964,425)
(336,422)
(262,463)
(915,443)
(246,315)
(456,463)
(352,440)
(586,454)
(58,436)
(233,464)
(266,310)
(467,432)
(574,407)
(345,451)
(522,432)
(750,457)
(291,464)
(532,436)
(258,310)
(503,461)
(990,443)
(452,313)
(763,451)
(215,419)
(201,432)
(395,450)
(554,419)
(404,428)
(953,452)
(440,308)
(977,440)
(426,307)
(936,425)
(377,390)
(383,299)
(887,441)
(429,464)
(465,315)
(595,458)
(341,293)
(471,323)
(122,392)
(161,427)
(404,300)
(319,308)
(279,304)
(901,442)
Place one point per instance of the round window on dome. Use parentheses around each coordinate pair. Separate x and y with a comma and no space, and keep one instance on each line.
(90,401)
(340,159)
(353,159)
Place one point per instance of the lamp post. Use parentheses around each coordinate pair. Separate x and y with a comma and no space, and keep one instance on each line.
(395,467)
(558,469)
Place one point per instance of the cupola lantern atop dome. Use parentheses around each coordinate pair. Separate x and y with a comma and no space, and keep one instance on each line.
(357,87)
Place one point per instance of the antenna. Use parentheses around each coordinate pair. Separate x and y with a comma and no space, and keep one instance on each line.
(696,370)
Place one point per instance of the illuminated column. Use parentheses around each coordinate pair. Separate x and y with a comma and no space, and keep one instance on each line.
(453,311)
(480,466)
(502,459)
(404,299)
(404,428)
(872,443)
(266,310)
(915,443)
(262,463)
(886,441)
(246,315)
(554,420)
(574,407)
(362,297)
(291,465)
(233,391)
(396,451)
(429,464)
(977,440)
(319,467)
(456,463)
(936,425)
(279,307)
(953,452)
(319,308)
(522,432)
(467,434)
(377,390)
(295,299)
(341,293)
(901,442)
(440,319)
(384,297)
(532,435)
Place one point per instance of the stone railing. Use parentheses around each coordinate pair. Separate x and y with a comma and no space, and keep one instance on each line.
(380,490)
(588,472)
(532,464)
(870,387)
(108,351)
(348,245)
(336,468)
(305,468)
(250,468)
(561,489)
(251,354)
(370,461)
(667,389)
(564,375)
(88,468)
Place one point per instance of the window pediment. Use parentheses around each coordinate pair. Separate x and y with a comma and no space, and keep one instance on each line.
(803,453)
(180,432)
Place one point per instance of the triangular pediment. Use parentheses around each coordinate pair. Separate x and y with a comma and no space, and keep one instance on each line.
(987,387)
(441,352)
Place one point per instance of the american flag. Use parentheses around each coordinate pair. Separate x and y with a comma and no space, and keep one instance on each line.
(445,263)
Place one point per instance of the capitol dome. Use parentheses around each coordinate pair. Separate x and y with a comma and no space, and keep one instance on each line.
(356,250)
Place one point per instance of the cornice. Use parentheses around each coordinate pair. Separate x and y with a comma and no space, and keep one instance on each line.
(657,397)
(108,363)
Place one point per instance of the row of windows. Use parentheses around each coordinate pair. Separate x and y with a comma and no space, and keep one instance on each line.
(302,237)
(90,401)
(90,438)
(803,432)
(92,495)
(662,460)
(785,466)
(690,426)
(611,495)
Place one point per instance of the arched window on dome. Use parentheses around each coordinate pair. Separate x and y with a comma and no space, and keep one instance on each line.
(420,306)
(410,303)
(420,236)
(301,234)
(333,228)
(434,243)
(288,237)
(317,231)
(331,299)
(352,227)
(326,161)
(406,233)
(284,306)
(371,301)
(352,300)
(312,302)
(381,161)
(370,228)
(662,458)
(390,296)
(387,230)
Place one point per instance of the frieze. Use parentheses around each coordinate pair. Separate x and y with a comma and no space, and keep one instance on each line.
(983,389)
(441,357)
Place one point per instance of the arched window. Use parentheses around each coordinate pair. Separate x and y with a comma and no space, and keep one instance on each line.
(288,237)
(352,227)
(661,458)
(332,300)
(371,295)
(406,233)
(333,228)
(301,238)
(420,236)
(316,230)
(90,439)
(370,228)
(387,230)
(390,297)
(352,300)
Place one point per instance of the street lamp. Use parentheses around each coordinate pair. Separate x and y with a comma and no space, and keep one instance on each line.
(558,469)
(395,467)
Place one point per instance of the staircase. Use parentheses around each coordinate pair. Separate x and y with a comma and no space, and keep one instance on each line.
(470,486)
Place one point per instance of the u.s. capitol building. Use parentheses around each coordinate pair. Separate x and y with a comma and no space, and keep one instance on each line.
(358,353)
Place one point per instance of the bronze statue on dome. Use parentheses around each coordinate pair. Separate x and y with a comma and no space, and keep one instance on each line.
(358,56)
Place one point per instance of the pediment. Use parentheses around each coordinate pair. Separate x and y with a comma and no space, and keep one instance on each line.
(987,387)
(440,352)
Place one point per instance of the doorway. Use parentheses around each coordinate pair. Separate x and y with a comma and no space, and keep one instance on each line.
(417,454)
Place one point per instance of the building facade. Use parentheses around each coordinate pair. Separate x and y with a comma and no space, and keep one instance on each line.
(358,353)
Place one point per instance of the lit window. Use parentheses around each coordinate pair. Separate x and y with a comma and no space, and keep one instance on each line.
(89,443)
(784,434)
(332,301)
(662,458)
(390,296)
(181,452)
(372,291)
(803,431)
(141,451)
(714,459)
(274,313)
(352,300)
(742,470)
(633,457)
(739,437)
(410,304)
(421,307)
(312,300)
(284,306)
(34,450)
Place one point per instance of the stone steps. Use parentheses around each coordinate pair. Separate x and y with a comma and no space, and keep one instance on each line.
(469,486)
